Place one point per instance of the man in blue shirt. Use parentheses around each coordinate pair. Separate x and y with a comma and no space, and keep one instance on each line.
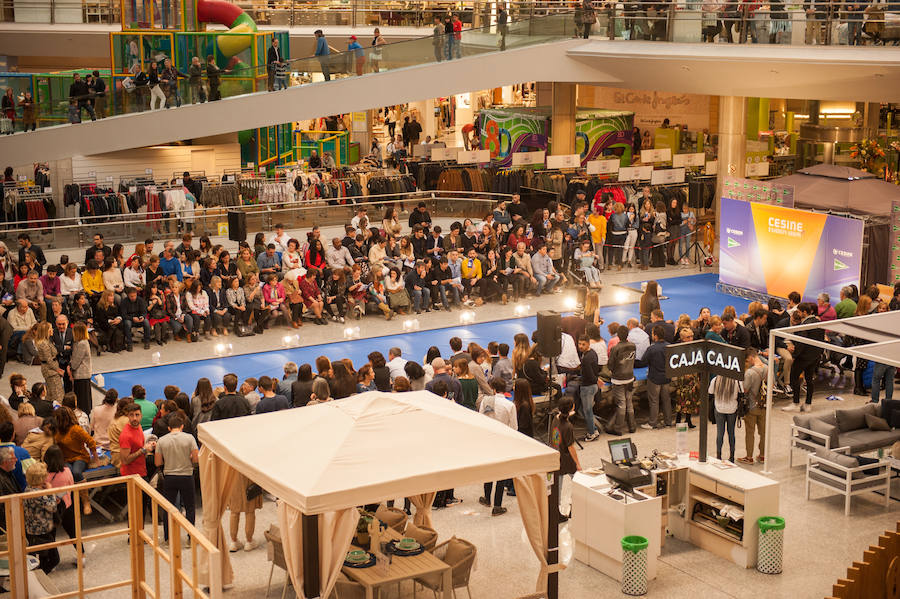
(168,262)
(544,271)
(322,53)
(270,401)
(269,263)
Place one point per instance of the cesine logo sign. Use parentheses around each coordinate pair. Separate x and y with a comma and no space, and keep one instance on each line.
(783,226)
(843,253)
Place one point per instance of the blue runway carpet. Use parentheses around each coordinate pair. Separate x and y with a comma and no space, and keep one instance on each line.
(686,294)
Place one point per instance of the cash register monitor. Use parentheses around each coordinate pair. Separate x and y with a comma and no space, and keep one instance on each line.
(621,450)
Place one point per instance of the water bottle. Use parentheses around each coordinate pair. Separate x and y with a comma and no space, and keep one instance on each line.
(681,441)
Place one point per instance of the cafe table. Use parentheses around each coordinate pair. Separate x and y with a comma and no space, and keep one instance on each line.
(401,568)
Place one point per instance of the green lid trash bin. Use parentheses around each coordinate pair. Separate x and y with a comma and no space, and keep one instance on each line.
(634,565)
(771,544)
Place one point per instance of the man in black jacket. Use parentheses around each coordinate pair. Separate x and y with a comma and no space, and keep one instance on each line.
(134,314)
(657,383)
(273,59)
(806,358)
(621,366)
(63,340)
(98,245)
(81,93)
(590,370)
(734,333)
(25,245)
(517,210)
(98,90)
(418,288)
(757,327)
(230,404)
(420,216)
(418,242)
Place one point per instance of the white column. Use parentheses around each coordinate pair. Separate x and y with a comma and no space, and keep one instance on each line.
(732,140)
(464,115)
(425,110)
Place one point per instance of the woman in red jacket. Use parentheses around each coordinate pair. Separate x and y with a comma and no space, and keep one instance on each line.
(315,256)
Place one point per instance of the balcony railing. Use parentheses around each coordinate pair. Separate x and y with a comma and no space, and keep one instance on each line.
(682,21)
(128,93)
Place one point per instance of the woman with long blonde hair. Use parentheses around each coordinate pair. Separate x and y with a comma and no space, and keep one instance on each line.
(521,351)
(592,308)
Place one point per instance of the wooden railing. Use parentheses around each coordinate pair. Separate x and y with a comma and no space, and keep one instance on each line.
(180,572)
(877,576)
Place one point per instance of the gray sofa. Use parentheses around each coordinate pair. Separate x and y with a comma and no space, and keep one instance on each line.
(842,428)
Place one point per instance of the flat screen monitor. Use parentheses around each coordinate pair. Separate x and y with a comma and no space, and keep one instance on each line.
(621,450)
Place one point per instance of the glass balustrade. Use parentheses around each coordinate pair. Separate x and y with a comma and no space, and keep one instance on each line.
(129,91)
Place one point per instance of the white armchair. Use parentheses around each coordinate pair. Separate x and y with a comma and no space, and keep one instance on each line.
(808,440)
(839,472)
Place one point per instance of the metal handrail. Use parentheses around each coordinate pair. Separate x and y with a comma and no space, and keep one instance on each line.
(267,214)
(417,12)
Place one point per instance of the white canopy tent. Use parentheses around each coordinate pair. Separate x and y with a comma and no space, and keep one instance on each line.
(326,460)
(881,331)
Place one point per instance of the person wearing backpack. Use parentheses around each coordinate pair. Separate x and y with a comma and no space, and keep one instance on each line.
(755,377)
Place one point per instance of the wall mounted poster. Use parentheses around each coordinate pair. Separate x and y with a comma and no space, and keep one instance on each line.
(505,132)
(599,131)
(775,250)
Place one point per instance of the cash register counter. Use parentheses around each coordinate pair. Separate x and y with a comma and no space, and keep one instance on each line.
(685,501)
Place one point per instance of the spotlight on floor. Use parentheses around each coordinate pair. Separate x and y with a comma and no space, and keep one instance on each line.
(351,333)
(220,349)
(287,340)
(155,357)
(521,309)
(410,324)
(621,296)
(466,317)
(569,302)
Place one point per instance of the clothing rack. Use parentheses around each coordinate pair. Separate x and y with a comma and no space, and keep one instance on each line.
(220,194)
(28,206)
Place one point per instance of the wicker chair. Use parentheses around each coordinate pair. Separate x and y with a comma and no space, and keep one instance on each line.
(275,551)
(392,517)
(348,589)
(426,537)
(460,556)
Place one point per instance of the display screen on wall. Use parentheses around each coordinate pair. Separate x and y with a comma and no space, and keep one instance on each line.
(775,250)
